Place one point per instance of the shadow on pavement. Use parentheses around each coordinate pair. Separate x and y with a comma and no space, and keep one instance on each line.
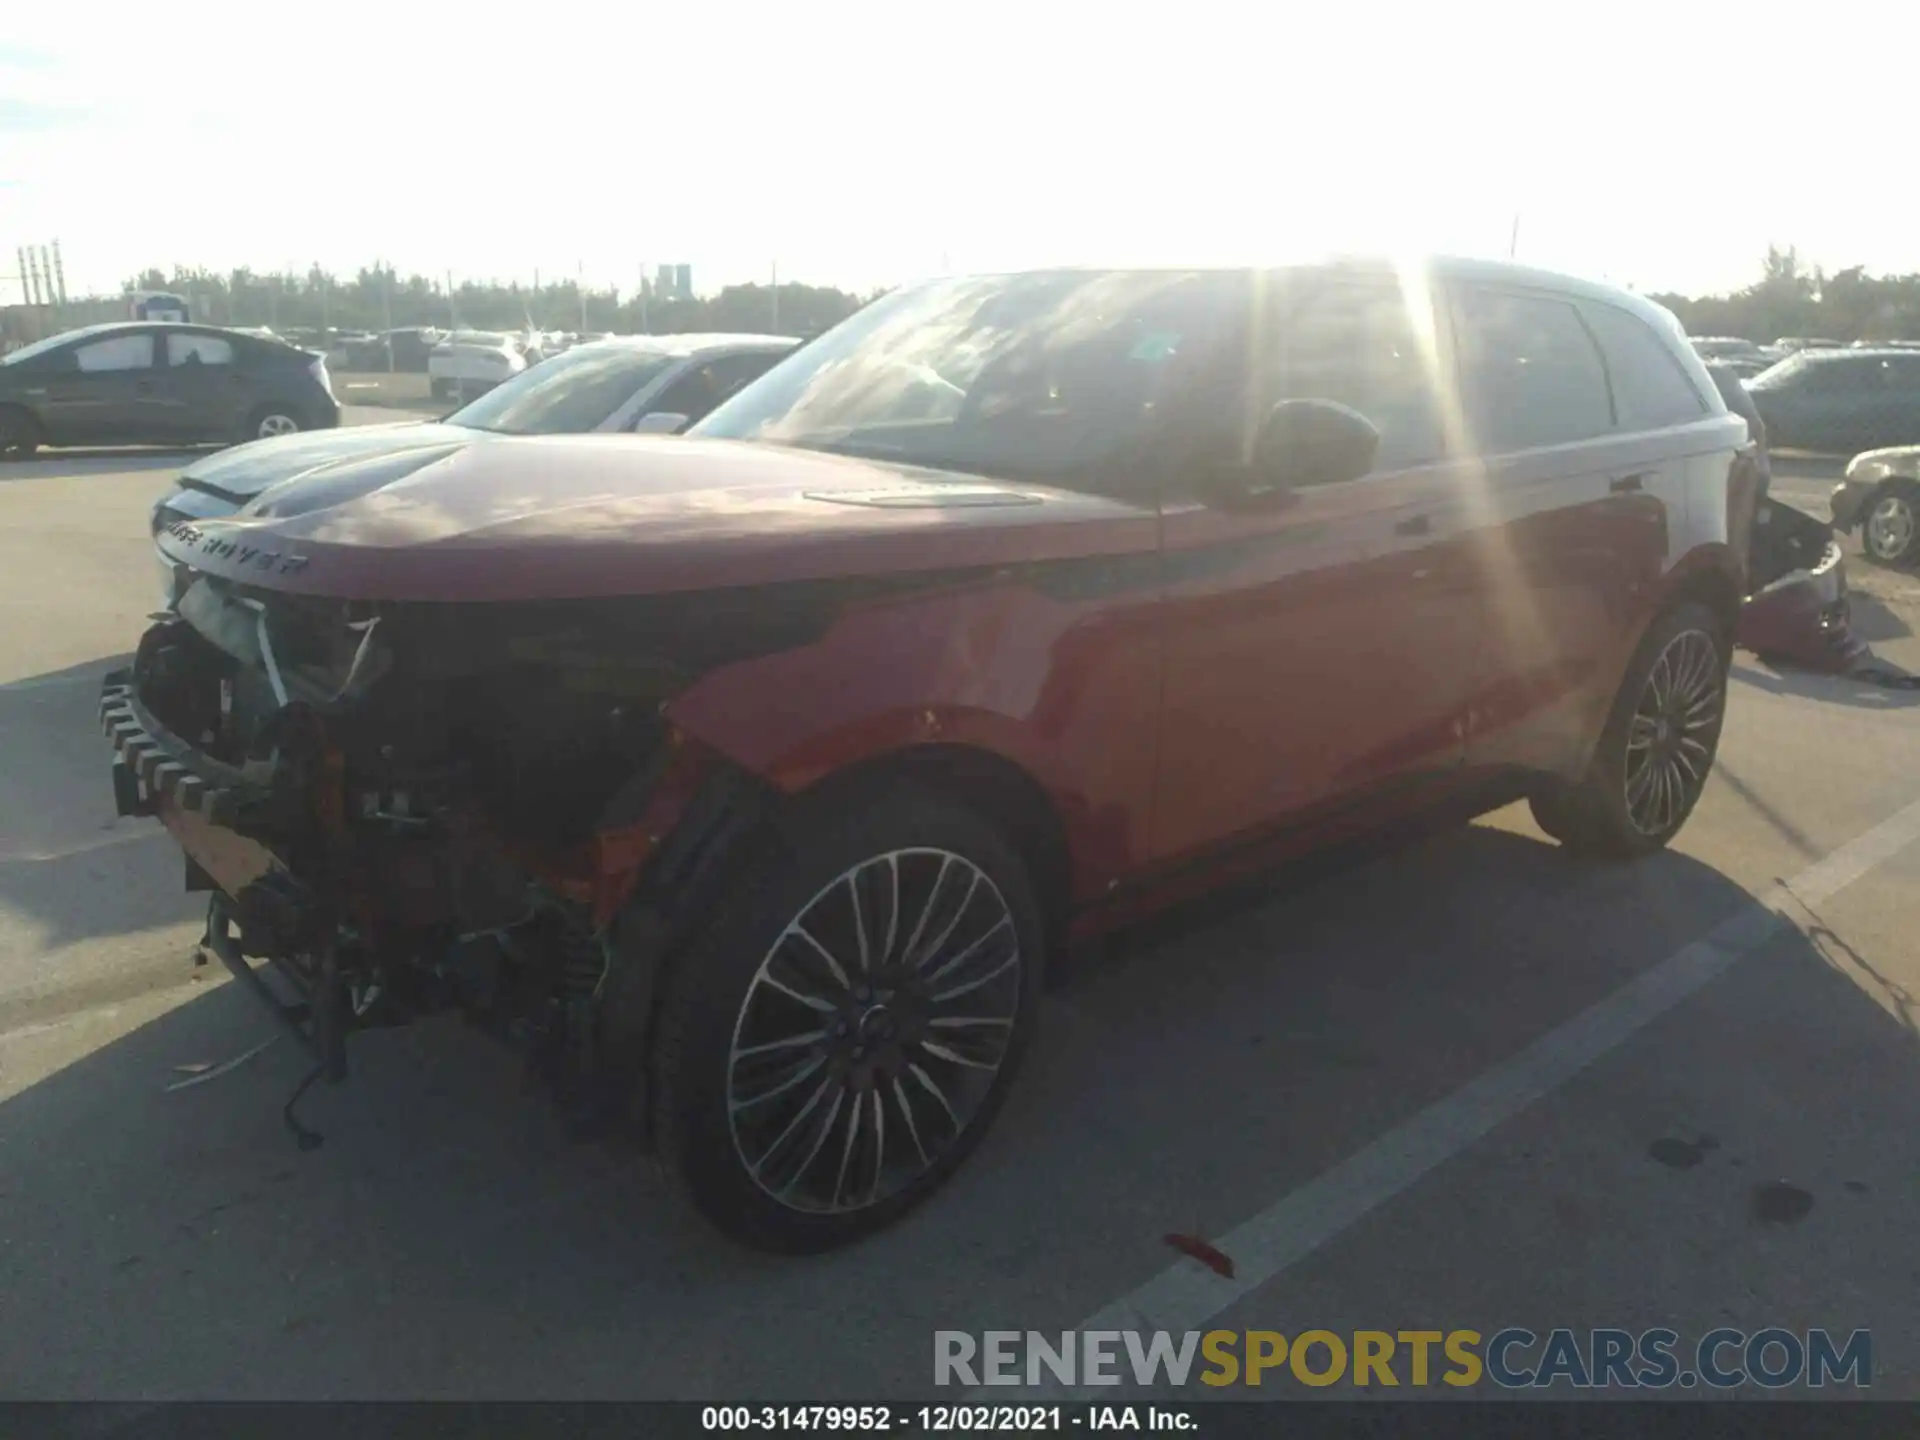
(1828,689)
(446,1241)
(62,464)
(70,869)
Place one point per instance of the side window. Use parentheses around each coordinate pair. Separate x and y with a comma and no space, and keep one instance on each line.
(1903,373)
(119,352)
(1650,390)
(1360,345)
(198,349)
(735,372)
(706,385)
(1529,371)
(1840,377)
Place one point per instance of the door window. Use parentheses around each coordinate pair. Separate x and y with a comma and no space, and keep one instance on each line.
(190,349)
(1370,348)
(1650,390)
(1530,371)
(118,352)
(707,384)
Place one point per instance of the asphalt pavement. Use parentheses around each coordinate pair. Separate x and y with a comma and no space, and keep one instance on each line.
(1462,1083)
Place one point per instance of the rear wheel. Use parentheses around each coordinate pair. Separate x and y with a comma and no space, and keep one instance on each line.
(19,434)
(1888,530)
(272,420)
(1658,746)
(836,1042)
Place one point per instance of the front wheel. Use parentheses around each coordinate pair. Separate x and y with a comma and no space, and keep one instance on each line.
(1658,746)
(836,1042)
(1888,531)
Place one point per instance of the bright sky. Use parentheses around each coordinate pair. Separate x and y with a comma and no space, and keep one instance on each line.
(1661,146)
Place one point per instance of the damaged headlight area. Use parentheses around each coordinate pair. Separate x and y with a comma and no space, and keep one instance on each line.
(408,808)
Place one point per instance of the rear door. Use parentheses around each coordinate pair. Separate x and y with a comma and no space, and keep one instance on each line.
(1566,527)
(101,392)
(1321,650)
(201,388)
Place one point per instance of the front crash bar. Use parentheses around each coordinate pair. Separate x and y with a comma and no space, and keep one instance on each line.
(313,1023)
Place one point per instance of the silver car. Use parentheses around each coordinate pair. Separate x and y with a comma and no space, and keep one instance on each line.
(657,384)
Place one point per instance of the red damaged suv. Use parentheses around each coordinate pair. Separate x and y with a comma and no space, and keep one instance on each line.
(749,780)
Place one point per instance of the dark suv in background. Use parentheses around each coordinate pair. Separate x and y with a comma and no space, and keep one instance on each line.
(159,383)
(1841,401)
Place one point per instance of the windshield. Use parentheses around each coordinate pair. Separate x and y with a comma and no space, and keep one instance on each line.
(569,394)
(1018,377)
(41,347)
(1785,373)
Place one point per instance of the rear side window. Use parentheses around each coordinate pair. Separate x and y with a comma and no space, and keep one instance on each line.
(1530,374)
(1650,390)
(1839,376)
(199,349)
(1364,347)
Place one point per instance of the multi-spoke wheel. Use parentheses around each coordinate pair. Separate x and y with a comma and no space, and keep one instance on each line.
(1889,531)
(1658,746)
(836,1042)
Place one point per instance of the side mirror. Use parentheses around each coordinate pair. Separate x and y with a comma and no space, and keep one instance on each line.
(660,422)
(1312,442)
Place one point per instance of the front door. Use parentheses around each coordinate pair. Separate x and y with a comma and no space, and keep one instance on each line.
(1320,651)
(101,392)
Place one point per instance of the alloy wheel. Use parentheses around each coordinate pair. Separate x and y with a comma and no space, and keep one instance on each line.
(1890,526)
(873,1030)
(278,424)
(1670,738)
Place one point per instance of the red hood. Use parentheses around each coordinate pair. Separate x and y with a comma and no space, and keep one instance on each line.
(572,517)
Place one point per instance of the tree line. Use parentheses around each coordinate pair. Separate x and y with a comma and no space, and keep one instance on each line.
(1793,299)
(378,298)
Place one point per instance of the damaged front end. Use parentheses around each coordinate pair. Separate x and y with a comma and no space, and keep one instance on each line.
(409,808)
(1798,610)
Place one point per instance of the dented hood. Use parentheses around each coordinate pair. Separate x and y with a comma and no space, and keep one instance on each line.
(564,517)
(242,471)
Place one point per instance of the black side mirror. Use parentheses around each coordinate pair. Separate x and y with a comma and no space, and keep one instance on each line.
(1312,442)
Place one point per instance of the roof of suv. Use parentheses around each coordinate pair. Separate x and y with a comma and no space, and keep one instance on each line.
(686,346)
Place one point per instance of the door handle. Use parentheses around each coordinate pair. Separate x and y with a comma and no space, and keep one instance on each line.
(1626,484)
(1415,525)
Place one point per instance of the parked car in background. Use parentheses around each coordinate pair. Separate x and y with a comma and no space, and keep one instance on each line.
(135,383)
(1841,401)
(1723,347)
(404,350)
(470,362)
(1788,344)
(659,384)
(1880,497)
(754,782)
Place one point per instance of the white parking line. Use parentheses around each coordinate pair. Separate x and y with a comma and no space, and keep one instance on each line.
(1185,1296)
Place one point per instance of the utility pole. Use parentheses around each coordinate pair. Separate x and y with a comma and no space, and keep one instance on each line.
(59,275)
(386,309)
(29,276)
(326,306)
(643,297)
(1513,240)
(453,310)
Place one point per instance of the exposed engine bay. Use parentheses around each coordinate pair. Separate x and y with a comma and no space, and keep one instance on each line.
(410,808)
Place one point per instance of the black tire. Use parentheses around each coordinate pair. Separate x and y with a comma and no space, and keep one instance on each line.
(1890,524)
(716,995)
(19,433)
(262,422)
(1625,807)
